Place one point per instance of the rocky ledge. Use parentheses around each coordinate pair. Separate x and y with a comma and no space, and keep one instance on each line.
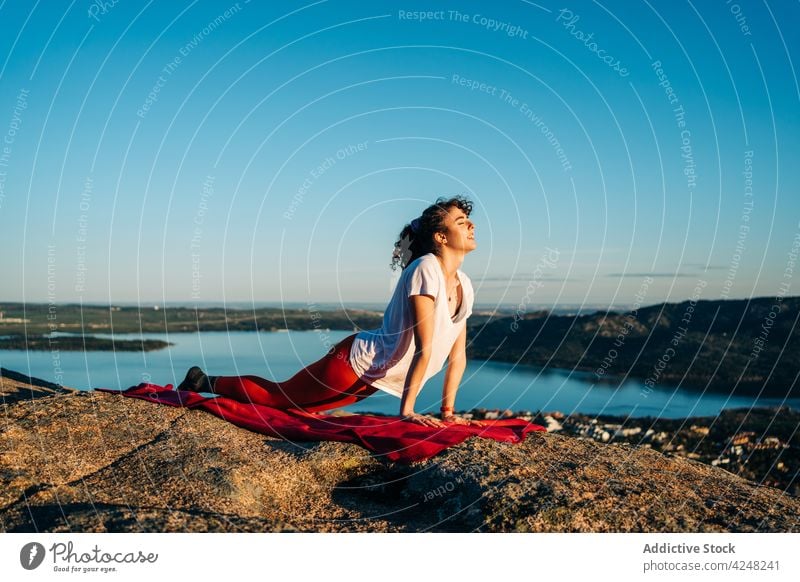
(75,461)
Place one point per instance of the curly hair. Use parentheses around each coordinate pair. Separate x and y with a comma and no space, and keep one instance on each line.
(417,239)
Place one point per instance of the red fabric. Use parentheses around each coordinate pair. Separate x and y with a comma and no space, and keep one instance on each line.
(389,436)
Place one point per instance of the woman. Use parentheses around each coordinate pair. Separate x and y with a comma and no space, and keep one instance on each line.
(424,324)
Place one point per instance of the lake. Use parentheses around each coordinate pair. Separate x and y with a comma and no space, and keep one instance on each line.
(279,355)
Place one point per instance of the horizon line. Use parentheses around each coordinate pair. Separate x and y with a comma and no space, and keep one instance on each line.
(372,305)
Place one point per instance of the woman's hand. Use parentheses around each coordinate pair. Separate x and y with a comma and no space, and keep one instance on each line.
(423,420)
(458,420)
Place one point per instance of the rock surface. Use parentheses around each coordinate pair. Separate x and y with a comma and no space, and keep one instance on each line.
(74,461)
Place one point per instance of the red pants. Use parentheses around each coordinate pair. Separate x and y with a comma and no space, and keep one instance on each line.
(327,383)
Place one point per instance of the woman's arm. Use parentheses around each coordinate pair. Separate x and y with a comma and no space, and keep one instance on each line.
(423,314)
(456,364)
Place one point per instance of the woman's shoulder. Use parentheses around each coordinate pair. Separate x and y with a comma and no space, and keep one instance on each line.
(426,262)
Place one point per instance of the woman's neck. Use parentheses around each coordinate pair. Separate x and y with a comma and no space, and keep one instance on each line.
(450,263)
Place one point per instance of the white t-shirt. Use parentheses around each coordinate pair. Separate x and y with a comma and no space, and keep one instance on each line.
(382,357)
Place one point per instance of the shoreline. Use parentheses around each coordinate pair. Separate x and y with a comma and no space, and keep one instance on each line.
(76,342)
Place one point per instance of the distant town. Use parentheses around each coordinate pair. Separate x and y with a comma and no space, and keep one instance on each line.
(759,444)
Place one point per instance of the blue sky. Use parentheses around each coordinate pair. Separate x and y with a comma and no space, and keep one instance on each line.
(215,151)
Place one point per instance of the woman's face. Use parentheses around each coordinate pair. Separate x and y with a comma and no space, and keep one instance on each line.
(460,231)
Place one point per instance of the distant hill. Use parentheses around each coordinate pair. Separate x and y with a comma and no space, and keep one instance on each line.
(40,318)
(736,346)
